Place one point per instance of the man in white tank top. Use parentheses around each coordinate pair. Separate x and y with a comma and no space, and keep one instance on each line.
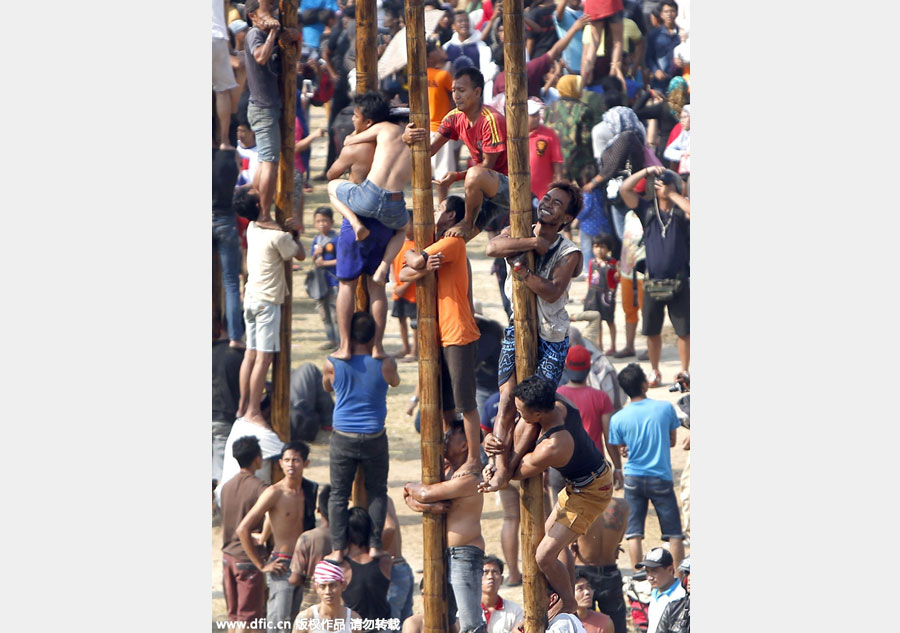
(324,617)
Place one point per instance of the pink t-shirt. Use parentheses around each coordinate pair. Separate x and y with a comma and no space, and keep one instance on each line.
(543,150)
(592,404)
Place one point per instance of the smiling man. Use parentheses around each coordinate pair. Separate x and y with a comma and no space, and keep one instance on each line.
(557,260)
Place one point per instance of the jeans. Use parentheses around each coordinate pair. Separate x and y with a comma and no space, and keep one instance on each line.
(225,242)
(400,592)
(466,565)
(284,601)
(640,490)
(328,311)
(345,455)
(220,431)
(587,249)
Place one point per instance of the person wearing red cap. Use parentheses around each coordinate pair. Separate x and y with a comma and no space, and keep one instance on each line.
(330,612)
(594,405)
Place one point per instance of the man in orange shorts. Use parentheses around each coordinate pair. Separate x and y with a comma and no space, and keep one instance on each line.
(566,446)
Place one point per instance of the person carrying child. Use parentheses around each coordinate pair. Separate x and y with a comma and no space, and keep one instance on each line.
(603,279)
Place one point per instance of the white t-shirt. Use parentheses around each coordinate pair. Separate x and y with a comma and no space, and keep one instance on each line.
(507,619)
(219,31)
(269,442)
(566,623)
(267,250)
(659,600)
(252,156)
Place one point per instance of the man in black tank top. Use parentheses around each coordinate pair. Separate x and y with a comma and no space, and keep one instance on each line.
(564,444)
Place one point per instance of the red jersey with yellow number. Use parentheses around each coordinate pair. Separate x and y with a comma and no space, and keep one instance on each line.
(543,151)
(486,136)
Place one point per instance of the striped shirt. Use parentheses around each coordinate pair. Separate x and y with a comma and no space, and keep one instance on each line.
(486,136)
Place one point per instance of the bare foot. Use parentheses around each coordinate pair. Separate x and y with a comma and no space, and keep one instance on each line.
(337,557)
(610,352)
(403,353)
(381,273)
(378,352)
(226,146)
(256,417)
(374,552)
(459,230)
(237,345)
(342,354)
(362,233)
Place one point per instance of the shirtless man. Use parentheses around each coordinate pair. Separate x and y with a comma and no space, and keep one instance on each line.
(285,504)
(465,544)
(375,216)
(330,613)
(565,445)
(400,593)
(596,552)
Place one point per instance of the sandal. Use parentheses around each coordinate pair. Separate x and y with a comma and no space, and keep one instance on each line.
(624,353)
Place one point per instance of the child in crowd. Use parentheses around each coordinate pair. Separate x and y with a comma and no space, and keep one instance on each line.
(603,279)
(324,251)
(404,296)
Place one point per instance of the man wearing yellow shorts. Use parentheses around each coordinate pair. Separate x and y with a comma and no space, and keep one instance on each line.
(565,445)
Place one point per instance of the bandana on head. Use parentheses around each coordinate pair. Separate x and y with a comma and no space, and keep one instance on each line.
(327,572)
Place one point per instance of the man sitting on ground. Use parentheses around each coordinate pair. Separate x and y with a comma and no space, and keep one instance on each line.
(503,616)
(593,621)
(330,614)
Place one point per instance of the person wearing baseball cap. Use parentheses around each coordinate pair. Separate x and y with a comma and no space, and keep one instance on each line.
(329,582)
(666,588)
(594,404)
(676,617)
(544,150)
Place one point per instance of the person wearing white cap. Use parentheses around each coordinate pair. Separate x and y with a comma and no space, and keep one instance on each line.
(328,614)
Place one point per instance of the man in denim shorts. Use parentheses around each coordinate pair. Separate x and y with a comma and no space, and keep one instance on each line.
(647,429)
(264,110)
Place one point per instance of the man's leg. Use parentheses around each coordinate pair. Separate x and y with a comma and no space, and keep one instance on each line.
(637,501)
(684,351)
(465,566)
(635,551)
(589,54)
(390,252)
(342,466)
(480,183)
(662,494)
(509,532)
(654,349)
(268,173)
(280,603)
(557,537)
(400,591)
(257,385)
(244,380)
(404,335)
(616,31)
(220,431)
(378,309)
(345,301)
(361,231)
(375,473)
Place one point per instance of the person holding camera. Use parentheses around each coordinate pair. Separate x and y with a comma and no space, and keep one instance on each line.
(667,238)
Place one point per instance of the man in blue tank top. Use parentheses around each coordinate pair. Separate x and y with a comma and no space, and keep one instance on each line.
(359,437)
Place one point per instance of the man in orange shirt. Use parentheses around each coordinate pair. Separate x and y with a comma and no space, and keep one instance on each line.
(458,331)
(404,296)
(440,84)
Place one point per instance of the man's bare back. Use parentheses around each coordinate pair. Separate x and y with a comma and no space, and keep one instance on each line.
(600,544)
(392,164)
(357,158)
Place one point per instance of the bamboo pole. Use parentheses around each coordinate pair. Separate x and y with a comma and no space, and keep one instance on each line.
(435,592)
(366,79)
(284,199)
(534,587)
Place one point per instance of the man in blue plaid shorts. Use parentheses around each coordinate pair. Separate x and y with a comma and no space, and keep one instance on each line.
(557,261)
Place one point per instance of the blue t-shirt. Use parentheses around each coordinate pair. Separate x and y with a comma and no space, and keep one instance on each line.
(572,54)
(329,253)
(312,34)
(644,427)
(361,391)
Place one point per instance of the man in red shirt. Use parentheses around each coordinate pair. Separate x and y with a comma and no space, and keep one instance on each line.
(544,151)
(595,406)
(483,130)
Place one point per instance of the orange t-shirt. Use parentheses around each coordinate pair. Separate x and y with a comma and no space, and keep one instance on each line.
(440,83)
(456,324)
(399,261)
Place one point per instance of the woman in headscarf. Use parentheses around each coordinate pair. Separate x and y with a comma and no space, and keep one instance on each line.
(572,120)
(662,113)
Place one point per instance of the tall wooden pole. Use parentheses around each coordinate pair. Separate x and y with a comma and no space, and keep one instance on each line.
(435,591)
(534,587)
(366,79)
(284,205)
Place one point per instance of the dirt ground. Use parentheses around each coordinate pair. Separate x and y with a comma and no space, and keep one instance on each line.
(405,463)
